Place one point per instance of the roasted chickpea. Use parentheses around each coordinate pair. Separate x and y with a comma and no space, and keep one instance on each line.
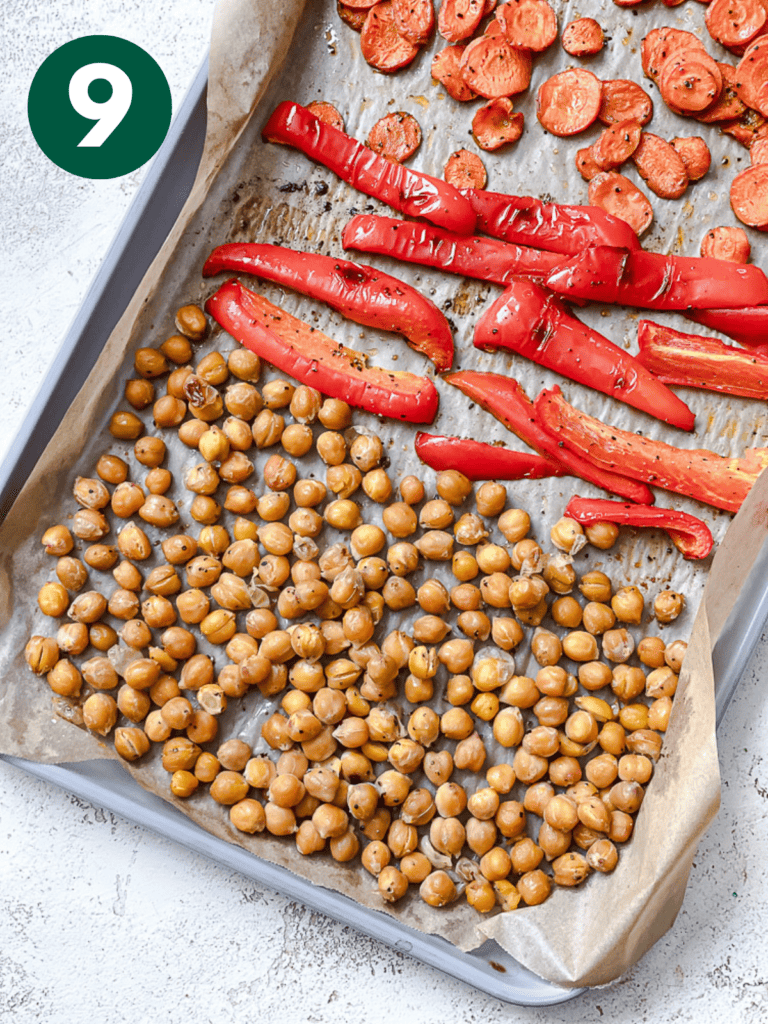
(628,604)
(453,486)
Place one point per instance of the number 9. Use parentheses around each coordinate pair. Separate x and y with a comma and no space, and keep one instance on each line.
(108,114)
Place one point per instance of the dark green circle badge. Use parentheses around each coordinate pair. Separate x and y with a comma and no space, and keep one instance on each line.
(99,107)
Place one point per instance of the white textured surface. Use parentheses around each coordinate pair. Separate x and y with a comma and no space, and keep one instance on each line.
(100,920)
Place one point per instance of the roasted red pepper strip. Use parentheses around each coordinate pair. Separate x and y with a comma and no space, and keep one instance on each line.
(552,226)
(651,280)
(469,255)
(411,192)
(697,473)
(363,294)
(695,362)
(505,399)
(480,461)
(532,322)
(312,358)
(747,326)
(689,535)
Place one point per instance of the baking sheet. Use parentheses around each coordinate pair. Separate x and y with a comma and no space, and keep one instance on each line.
(271,193)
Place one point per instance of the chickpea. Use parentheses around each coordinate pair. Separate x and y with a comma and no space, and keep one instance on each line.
(400,520)
(125,426)
(628,682)
(177,348)
(508,728)
(169,412)
(191,322)
(139,393)
(674,654)
(102,636)
(149,451)
(343,514)
(580,646)
(244,364)
(53,599)
(658,714)
(546,647)
(628,604)
(112,469)
(618,645)
(131,743)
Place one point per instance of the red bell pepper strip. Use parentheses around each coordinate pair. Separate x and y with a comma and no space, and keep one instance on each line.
(747,326)
(697,473)
(363,294)
(553,226)
(505,399)
(532,322)
(411,192)
(312,358)
(480,461)
(689,535)
(486,259)
(651,280)
(695,362)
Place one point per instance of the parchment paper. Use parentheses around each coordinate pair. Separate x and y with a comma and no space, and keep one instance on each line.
(248,190)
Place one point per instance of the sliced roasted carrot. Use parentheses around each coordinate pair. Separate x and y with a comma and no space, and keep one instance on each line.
(493,68)
(396,136)
(623,100)
(660,166)
(726,243)
(690,81)
(465,170)
(747,128)
(694,152)
(490,6)
(458,19)
(583,37)
(585,164)
(495,125)
(752,74)
(569,101)
(528,24)
(616,144)
(749,196)
(381,44)
(660,44)
(415,20)
(728,105)
(446,68)
(620,197)
(735,23)
(361,5)
(758,152)
(352,16)
(327,113)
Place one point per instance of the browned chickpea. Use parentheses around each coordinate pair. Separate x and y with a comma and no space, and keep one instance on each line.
(377,485)
(53,599)
(111,469)
(139,393)
(102,636)
(628,604)
(335,414)
(267,428)
(177,348)
(400,520)
(596,586)
(546,647)
(125,426)
(131,743)
(71,572)
(667,606)
(411,490)
(191,322)
(158,480)
(244,364)
(602,535)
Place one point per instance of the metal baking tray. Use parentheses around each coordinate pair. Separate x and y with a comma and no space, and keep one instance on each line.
(104,783)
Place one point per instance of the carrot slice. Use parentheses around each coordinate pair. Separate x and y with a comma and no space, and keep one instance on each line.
(616,144)
(458,19)
(749,196)
(758,152)
(396,136)
(620,197)
(446,68)
(735,23)
(751,74)
(415,20)
(569,101)
(690,82)
(586,166)
(728,104)
(494,125)
(660,44)
(361,5)
(465,170)
(694,152)
(583,37)
(726,243)
(624,100)
(660,167)
(352,16)
(747,128)
(381,44)
(528,24)
(493,68)
(327,113)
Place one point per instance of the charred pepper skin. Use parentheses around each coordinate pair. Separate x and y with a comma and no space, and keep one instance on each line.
(410,192)
(530,321)
(556,227)
(690,360)
(312,358)
(480,461)
(696,473)
(505,399)
(690,535)
(364,294)
(653,280)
